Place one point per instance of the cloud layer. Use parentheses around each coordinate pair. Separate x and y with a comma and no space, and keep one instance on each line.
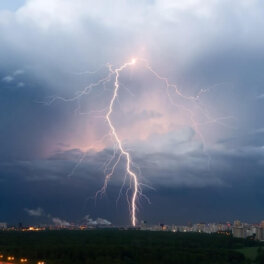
(211,49)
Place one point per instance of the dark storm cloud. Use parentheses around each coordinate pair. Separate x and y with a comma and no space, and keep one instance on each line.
(235,177)
(214,45)
(26,126)
(168,167)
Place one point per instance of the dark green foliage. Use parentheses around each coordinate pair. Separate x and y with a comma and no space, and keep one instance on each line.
(260,257)
(129,247)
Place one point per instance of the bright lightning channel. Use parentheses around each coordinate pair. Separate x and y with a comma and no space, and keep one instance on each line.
(136,189)
(120,146)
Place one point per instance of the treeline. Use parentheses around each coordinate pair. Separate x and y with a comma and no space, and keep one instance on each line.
(129,247)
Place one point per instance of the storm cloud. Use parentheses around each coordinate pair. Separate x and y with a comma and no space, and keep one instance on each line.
(211,49)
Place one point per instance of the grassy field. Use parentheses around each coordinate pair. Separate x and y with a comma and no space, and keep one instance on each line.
(249,252)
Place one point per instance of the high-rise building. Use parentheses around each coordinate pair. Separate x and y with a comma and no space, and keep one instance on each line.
(237,223)
(143,225)
(238,230)
(260,231)
(3,225)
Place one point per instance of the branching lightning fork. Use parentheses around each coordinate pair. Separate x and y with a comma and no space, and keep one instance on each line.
(135,186)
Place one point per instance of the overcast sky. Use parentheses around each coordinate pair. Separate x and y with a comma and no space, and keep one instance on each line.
(198,145)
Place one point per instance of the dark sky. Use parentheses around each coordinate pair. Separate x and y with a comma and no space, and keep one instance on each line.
(197,146)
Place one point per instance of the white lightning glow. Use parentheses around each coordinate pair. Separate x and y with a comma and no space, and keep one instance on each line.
(133,61)
(120,146)
(107,113)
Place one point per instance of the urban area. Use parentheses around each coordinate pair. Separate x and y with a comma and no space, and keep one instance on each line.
(237,229)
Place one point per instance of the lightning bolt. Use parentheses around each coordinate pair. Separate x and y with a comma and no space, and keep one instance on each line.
(135,186)
(122,150)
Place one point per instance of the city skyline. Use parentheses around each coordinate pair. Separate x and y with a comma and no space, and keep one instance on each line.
(236,229)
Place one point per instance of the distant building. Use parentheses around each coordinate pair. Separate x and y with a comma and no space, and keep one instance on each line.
(20,226)
(249,232)
(163,227)
(3,226)
(143,223)
(238,230)
(259,233)
(237,223)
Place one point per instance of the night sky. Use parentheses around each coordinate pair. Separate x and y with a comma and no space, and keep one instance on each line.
(198,160)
